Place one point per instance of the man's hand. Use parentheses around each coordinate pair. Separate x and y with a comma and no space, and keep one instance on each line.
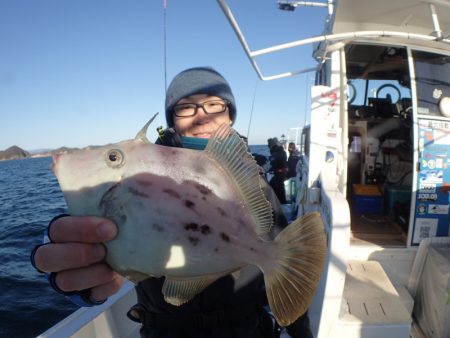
(76,255)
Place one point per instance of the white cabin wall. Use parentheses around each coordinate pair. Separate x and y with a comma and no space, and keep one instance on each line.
(334,74)
(327,122)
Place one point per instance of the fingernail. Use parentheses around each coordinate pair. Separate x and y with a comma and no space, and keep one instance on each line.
(106,231)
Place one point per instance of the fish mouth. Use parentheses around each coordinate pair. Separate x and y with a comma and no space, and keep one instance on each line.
(55,160)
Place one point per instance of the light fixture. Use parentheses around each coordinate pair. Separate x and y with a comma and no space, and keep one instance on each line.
(444,106)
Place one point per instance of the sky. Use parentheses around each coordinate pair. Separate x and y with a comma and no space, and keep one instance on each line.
(92,72)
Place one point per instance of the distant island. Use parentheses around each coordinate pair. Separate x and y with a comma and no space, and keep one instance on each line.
(15,153)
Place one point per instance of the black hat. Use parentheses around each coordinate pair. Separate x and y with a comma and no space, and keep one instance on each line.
(198,80)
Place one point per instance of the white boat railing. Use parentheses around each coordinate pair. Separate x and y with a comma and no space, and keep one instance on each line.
(324,310)
(107,320)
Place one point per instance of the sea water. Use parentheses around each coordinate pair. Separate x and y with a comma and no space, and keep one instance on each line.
(29,198)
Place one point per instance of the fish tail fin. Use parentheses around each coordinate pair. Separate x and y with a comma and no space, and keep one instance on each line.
(292,281)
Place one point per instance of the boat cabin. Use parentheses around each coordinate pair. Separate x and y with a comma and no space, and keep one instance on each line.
(392,163)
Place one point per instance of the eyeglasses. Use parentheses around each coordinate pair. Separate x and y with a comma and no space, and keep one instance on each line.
(209,107)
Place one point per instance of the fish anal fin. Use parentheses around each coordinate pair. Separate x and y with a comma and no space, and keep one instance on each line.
(180,291)
(292,279)
(132,275)
(136,277)
(228,149)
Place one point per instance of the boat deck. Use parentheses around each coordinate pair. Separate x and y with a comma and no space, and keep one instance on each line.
(377,229)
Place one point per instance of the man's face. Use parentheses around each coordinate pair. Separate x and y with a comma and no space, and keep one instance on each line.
(200,125)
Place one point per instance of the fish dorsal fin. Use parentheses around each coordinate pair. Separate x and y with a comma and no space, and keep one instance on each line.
(228,149)
(142,134)
(180,291)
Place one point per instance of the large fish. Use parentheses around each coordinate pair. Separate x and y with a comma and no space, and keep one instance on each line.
(193,217)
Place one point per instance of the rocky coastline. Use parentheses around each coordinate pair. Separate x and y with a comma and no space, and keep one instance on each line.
(16,153)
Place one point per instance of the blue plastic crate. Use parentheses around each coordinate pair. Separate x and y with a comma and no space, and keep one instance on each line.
(367,199)
(364,204)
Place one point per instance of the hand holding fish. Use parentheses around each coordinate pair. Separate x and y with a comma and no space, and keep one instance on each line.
(77,255)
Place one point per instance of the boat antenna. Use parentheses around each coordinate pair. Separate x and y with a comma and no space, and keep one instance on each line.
(251,111)
(165,49)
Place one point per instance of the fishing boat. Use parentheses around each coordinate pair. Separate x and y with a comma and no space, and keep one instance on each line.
(376,165)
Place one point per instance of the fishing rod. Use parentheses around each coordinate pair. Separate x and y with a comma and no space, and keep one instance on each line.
(165,47)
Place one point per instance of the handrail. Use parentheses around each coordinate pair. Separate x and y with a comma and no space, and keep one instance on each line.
(349,36)
(73,325)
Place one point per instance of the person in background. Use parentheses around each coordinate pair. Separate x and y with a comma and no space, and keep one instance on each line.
(198,100)
(278,168)
(294,156)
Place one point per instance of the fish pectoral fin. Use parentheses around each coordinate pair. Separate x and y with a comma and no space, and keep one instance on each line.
(180,291)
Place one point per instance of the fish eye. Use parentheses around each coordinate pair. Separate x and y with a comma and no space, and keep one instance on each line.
(114,158)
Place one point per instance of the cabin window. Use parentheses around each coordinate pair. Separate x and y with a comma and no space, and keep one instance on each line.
(305,141)
(432,80)
(321,75)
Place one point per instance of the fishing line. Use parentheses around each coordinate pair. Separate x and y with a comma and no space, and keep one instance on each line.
(251,111)
(165,49)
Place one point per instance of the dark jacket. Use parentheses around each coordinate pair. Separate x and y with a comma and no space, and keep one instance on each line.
(278,159)
(278,168)
(294,157)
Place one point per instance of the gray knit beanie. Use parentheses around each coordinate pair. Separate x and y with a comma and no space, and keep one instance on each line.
(198,80)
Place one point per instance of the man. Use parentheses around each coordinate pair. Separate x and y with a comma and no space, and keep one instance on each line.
(198,101)
(278,168)
(294,157)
